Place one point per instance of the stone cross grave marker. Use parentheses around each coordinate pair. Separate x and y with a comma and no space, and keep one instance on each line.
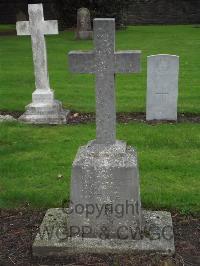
(44,108)
(105,174)
(162,87)
(84,28)
(104,62)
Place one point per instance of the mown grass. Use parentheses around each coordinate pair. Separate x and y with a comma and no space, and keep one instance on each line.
(33,157)
(77,91)
(6,27)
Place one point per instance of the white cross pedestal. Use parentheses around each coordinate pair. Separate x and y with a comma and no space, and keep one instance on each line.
(44,109)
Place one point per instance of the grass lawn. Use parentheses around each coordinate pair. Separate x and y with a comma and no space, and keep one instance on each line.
(77,91)
(6,27)
(32,158)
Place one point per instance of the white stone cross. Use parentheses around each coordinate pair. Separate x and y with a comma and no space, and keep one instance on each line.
(104,62)
(37,27)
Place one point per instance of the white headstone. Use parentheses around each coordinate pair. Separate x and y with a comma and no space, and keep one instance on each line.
(162,87)
(43,109)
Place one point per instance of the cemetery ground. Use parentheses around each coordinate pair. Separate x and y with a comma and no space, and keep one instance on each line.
(35,163)
(76,91)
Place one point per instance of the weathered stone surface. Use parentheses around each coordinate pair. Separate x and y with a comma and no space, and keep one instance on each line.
(54,238)
(7,118)
(45,113)
(105,166)
(44,109)
(104,214)
(84,28)
(162,87)
(104,62)
(105,176)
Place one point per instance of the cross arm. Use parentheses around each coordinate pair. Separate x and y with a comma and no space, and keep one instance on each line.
(23,28)
(127,62)
(82,62)
(50,27)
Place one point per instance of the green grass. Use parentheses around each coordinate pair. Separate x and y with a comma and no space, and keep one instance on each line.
(77,91)
(32,157)
(6,27)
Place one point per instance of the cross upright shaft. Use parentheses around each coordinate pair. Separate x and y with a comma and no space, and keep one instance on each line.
(104,40)
(37,28)
(104,62)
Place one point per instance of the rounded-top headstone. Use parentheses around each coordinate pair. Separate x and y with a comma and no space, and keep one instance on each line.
(84,28)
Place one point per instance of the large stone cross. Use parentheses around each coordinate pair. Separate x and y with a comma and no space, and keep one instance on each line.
(37,27)
(104,62)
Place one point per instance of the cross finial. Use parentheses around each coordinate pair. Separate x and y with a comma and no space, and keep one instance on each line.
(104,62)
(37,27)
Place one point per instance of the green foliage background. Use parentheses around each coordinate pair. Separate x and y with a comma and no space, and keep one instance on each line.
(98,8)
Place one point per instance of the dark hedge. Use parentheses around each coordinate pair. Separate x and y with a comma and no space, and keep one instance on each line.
(98,8)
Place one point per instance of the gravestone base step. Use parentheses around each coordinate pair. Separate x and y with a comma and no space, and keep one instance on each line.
(84,35)
(52,238)
(45,113)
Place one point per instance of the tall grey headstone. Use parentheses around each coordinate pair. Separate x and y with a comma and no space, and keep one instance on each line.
(101,164)
(105,214)
(84,28)
(44,109)
(162,87)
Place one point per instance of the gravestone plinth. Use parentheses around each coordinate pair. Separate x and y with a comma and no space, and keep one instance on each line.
(44,109)
(53,239)
(104,214)
(50,112)
(105,176)
(84,35)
